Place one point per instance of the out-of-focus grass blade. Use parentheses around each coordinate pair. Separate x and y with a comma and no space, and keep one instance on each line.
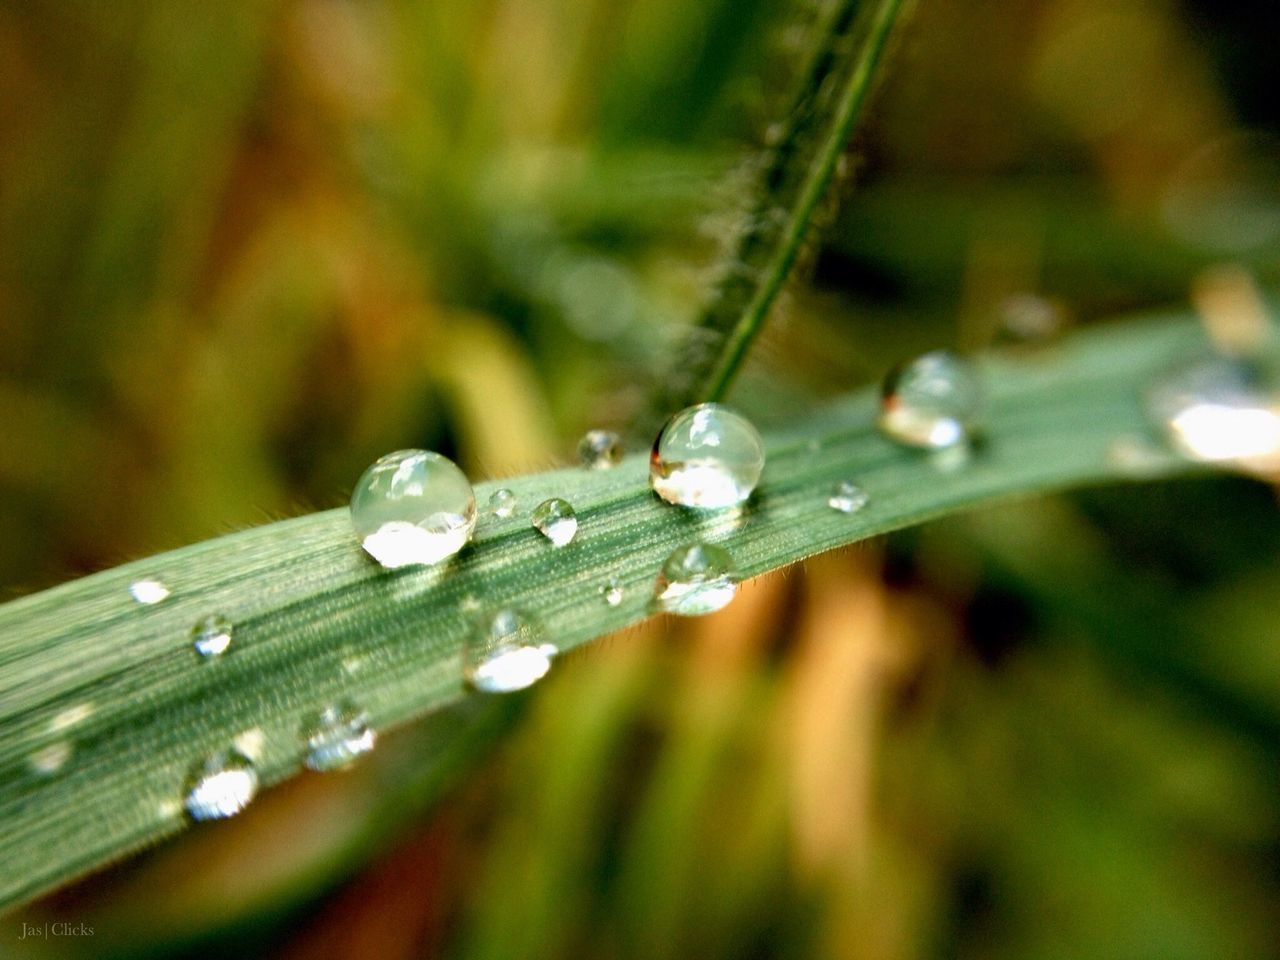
(112,690)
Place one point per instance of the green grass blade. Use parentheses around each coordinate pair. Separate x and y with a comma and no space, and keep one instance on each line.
(790,187)
(118,685)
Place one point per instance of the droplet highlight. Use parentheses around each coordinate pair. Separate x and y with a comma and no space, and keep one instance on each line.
(696,579)
(707,457)
(338,736)
(932,402)
(612,591)
(222,786)
(506,652)
(847,497)
(48,760)
(211,636)
(413,507)
(556,521)
(148,592)
(1221,409)
(502,503)
(600,449)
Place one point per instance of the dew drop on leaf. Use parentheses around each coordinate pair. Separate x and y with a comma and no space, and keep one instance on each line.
(556,521)
(696,579)
(211,636)
(337,736)
(600,449)
(847,497)
(148,592)
(506,651)
(502,503)
(413,507)
(706,456)
(221,786)
(932,402)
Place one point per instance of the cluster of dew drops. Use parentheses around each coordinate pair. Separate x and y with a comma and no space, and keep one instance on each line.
(416,508)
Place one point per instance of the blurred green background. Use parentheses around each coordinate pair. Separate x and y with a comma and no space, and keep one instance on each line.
(247,247)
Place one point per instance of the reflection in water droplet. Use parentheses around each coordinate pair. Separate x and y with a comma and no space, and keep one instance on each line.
(847,497)
(413,507)
(933,401)
(556,521)
(337,736)
(1219,409)
(50,759)
(222,786)
(506,652)
(148,591)
(696,579)
(600,449)
(211,635)
(502,503)
(612,591)
(706,456)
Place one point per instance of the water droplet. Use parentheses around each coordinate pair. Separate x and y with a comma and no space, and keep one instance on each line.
(71,716)
(697,578)
(600,449)
(148,591)
(337,736)
(506,652)
(222,786)
(1031,319)
(502,503)
(211,635)
(706,456)
(612,591)
(933,401)
(50,759)
(1220,409)
(413,507)
(847,497)
(555,520)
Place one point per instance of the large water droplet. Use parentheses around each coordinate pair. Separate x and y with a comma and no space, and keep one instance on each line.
(600,449)
(337,736)
(148,591)
(502,503)
(211,635)
(413,507)
(1220,409)
(933,401)
(222,786)
(847,497)
(611,590)
(555,520)
(697,578)
(706,456)
(506,652)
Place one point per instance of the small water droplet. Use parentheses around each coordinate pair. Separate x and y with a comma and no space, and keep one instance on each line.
(612,591)
(697,578)
(706,456)
(506,652)
(600,449)
(148,591)
(71,716)
(337,736)
(1031,319)
(847,497)
(211,635)
(934,401)
(555,520)
(50,759)
(502,503)
(413,507)
(1221,409)
(222,786)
